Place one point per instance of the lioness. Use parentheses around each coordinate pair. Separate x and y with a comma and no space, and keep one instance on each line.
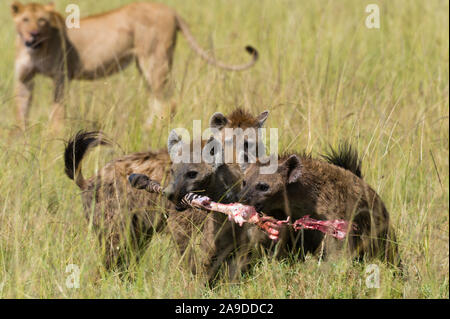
(121,214)
(104,44)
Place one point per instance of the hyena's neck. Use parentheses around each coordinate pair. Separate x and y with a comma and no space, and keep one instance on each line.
(302,198)
(225,187)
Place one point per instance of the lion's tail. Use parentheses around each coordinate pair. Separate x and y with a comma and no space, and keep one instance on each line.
(76,149)
(202,53)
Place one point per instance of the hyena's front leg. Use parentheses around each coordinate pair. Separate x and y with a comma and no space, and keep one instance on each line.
(23,91)
(239,262)
(58,110)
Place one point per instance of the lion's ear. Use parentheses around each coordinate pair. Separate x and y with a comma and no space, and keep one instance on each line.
(49,6)
(16,8)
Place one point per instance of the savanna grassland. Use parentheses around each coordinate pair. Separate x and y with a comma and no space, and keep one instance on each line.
(325,78)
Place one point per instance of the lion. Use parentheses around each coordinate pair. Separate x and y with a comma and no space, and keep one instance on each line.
(103,45)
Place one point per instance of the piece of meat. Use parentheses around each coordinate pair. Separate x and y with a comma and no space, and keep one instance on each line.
(240,214)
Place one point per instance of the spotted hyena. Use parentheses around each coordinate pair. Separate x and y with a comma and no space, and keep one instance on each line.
(324,189)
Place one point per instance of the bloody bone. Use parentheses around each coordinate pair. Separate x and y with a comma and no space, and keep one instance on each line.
(337,227)
(241,214)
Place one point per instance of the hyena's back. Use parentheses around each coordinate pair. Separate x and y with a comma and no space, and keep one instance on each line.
(120,213)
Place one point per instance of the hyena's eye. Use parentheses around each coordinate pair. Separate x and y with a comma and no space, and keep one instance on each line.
(262,187)
(191,174)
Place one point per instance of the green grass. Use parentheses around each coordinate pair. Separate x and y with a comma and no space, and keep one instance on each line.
(323,75)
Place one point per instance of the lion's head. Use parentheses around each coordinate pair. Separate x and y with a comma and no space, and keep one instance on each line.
(35,23)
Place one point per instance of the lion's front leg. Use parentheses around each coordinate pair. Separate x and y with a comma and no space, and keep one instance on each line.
(58,110)
(155,67)
(23,91)
(23,96)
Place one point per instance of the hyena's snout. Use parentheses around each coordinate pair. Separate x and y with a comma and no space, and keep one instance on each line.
(175,196)
(169,192)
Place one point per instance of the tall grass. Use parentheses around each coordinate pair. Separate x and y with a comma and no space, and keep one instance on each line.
(323,75)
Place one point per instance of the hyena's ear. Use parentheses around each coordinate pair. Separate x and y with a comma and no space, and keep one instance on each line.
(218,121)
(293,168)
(262,118)
(16,8)
(173,143)
(213,153)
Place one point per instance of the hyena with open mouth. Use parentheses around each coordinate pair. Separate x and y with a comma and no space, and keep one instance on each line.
(124,217)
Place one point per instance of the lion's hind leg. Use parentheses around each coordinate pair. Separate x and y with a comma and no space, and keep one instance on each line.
(155,66)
